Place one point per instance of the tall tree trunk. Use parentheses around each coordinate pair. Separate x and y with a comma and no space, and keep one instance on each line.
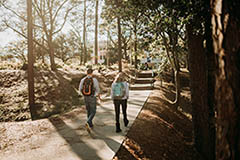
(167,47)
(119,46)
(176,76)
(126,57)
(30,59)
(42,51)
(108,55)
(50,38)
(225,25)
(135,44)
(177,86)
(174,60)
(34,37)
(84,33)
(81,53)
(96,33)
(210,79)
(204,131)
(51,53)
(119,41)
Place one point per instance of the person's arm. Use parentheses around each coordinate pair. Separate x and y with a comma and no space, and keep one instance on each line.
(127,90)
(81,85)
(112,91)
(96,86)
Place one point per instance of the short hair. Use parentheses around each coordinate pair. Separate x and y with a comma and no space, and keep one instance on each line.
(89,71)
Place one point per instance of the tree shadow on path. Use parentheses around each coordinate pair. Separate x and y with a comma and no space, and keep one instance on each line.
(74,140)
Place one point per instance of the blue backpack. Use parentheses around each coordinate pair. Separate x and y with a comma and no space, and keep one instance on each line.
(118,90)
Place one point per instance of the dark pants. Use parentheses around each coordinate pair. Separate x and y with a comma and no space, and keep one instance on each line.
(117,104)
(90,102)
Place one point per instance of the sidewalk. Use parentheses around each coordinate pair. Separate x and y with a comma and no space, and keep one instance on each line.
(65,137)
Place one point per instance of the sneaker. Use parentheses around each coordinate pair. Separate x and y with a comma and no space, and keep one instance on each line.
(88,127)
(91,126)
(118,130)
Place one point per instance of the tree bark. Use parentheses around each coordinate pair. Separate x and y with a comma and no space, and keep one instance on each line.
(84,33)
(176,76)
(42,51)
(119,40)
(119,46)
(96,33)
(135,44)
(204,132)
(108,54)
(177,87)
(51,53)
(174,61)
(225,35)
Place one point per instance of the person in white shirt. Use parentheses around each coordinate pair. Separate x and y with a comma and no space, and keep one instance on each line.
(120,99)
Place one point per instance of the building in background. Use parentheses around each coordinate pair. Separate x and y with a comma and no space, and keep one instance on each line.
(102,52)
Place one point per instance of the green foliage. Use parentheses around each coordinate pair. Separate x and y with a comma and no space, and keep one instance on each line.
(66,47)
(113,56)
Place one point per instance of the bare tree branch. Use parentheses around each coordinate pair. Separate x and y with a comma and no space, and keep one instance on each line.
(65,19)
(23,35)
(15,13)
(59,8)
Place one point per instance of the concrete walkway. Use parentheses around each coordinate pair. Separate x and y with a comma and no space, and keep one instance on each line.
(65,137)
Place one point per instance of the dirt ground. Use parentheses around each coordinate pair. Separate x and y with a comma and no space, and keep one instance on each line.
(161,132)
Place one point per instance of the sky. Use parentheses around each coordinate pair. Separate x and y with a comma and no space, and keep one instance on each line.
(6,37)
(9,35)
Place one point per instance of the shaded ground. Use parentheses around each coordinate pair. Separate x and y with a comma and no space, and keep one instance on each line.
(161,132)
(50,90)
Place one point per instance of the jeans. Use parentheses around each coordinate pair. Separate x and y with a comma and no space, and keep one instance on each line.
(117,104)
(90,102)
